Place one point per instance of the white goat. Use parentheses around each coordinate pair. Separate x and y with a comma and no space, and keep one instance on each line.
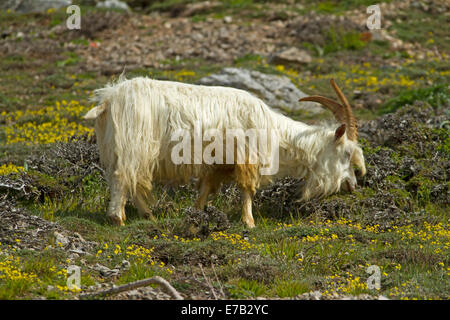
(136,120)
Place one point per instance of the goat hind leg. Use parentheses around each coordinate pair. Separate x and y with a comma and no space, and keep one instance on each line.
(116,208)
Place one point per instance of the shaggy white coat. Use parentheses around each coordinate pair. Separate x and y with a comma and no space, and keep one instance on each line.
(136,118)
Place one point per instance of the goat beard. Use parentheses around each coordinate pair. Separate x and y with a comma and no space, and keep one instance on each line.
(318,187)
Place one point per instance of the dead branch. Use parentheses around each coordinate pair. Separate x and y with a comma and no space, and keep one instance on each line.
(217,279)
(137,284)
(208,283)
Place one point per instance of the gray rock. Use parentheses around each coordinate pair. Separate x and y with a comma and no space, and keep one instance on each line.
(125,265)
(291,56)
(228,19)
(192,9)
(133,294)
(113,4)
(383,35)
(77,252)
(316,295)
(105,271)
(80,238)
(27,6)
(61,240)
(276,91)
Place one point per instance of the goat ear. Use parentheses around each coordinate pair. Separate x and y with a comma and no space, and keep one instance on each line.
(339,133)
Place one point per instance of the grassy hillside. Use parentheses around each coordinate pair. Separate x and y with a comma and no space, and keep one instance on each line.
(53,196)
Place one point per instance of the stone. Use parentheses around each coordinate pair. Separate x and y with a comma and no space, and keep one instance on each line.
(228,19)
(113,4)
(382,35)
(199,7)
(77,235)
(125,265)
(77,252)
(61,240)
(276,91)
(105,271)
(316,295)
(291,56)
(133,294)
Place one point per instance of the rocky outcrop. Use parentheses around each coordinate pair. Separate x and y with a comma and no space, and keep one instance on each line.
(276,91)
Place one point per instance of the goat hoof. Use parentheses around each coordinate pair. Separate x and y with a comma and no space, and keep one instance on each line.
(118,221)
(250,224)
(147,215)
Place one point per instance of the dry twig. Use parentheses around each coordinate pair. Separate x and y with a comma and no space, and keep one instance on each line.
(137,284)
(208,282)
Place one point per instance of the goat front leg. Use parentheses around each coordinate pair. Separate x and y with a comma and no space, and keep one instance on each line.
(116,209)
(247,179)
(247,216)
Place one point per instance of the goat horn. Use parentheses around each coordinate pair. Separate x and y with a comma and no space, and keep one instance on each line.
(330,104)
(352,132)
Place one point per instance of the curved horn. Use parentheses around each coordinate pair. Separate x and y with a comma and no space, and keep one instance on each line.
(352,132)
(331,105)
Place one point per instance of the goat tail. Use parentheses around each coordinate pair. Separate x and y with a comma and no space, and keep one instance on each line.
(102,96)
(95,112)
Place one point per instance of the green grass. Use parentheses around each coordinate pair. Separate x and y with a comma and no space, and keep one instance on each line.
(337,6)
(286,255)
(282,260)
(242,289)
(340,40)
(289,289)
(421,27)
(437,96)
